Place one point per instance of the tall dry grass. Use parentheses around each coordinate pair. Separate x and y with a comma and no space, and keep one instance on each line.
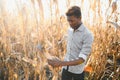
(106,46)
(19,36)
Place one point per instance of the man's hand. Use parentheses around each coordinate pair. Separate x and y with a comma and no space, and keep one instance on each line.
(54,62)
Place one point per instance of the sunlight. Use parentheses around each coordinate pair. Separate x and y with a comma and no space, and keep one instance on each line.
(11,7)
(32,31)
(46,9)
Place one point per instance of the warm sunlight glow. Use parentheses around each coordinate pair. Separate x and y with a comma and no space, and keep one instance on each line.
(34,31)
(11,7)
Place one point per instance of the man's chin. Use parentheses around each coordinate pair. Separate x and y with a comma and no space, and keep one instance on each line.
(72,27)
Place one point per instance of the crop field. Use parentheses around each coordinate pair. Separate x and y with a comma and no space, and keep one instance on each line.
(30,33)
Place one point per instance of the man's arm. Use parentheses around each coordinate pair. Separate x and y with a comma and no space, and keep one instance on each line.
(58,63)
(87,46)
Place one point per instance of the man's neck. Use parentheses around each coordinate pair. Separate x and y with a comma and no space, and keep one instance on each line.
(77,26)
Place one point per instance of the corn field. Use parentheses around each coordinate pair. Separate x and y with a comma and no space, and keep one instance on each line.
(30,33)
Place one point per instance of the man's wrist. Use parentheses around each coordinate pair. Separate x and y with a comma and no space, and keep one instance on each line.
(63,63)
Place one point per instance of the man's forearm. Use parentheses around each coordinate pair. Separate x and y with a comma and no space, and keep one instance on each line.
(72,63)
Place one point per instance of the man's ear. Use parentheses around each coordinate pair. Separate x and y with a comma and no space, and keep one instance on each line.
(80,17)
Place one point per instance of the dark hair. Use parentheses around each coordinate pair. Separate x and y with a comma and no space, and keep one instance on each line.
(74,11)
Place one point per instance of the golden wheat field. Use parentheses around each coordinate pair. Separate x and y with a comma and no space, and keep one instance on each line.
(33,30)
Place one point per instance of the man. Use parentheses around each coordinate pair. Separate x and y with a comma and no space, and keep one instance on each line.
(79,46)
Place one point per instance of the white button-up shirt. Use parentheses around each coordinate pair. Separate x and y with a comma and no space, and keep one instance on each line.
(78,45)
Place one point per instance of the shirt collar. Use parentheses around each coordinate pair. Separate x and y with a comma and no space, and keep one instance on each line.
(81,28)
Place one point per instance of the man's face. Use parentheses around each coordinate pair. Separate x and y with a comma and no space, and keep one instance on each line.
(73,21)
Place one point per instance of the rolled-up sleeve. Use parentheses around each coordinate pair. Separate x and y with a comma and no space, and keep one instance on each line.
(87,45)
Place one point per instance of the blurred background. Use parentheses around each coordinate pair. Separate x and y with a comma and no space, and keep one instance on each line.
(33,30)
